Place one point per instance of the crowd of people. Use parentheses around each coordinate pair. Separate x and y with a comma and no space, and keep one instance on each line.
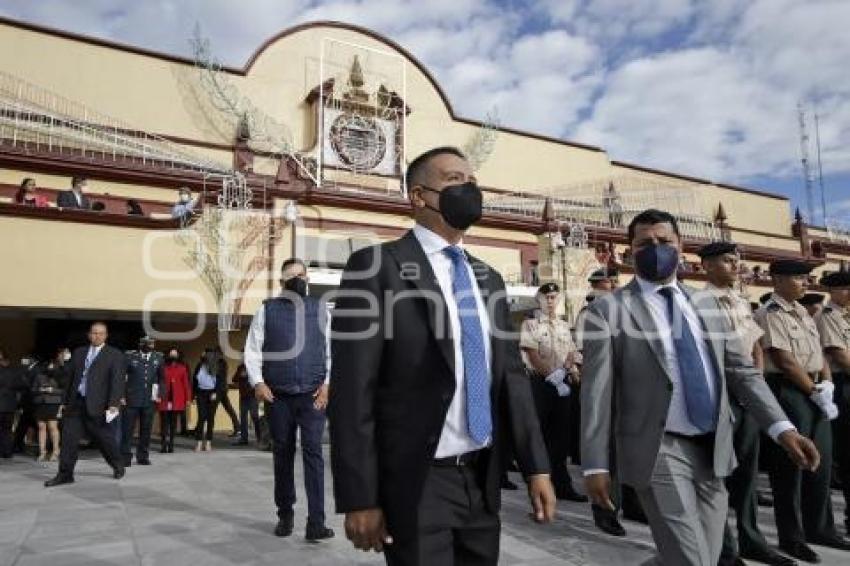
(35,396)
(77,197)
(671,400)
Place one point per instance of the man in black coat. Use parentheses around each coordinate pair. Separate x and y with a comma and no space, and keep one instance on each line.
(12,384)
(76,197)
(427,386)
(98,375)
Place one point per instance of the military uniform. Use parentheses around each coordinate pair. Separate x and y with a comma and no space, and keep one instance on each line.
(552,340)
(742,483)
(833,324)
(798,494)
(144,371)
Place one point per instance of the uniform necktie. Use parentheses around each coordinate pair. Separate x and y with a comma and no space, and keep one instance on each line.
(476,379)
(692,373)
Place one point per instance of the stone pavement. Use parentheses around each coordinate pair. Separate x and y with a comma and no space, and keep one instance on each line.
(216,508)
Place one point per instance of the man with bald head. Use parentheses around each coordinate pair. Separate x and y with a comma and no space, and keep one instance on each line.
(98,379)
(427,385)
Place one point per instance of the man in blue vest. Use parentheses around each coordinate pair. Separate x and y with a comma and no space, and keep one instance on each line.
(286,355)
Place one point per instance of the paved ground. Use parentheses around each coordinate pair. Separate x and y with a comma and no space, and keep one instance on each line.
(216,508)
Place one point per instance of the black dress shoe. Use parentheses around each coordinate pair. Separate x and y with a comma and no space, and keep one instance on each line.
(284,527)
(636,515)
(59,480)
(800,551)
(163,450)
(145,462)
(315,534)
(768,556)
(607,522)
(570,494)
(118,473)
(833,541)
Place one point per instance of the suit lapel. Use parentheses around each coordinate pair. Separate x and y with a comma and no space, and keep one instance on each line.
(638,308)
(415,268)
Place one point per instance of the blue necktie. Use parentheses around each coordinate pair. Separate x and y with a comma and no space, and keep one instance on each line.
(692,373)
(83,382)
(476,378)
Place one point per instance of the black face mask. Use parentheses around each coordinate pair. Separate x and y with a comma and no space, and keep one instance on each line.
(460,205)
(296,285)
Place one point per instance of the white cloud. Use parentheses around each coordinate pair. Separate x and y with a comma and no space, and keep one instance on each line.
(707,88)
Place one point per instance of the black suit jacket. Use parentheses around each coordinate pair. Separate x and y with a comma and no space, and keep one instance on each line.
(106,380)
(391,388)
(66,199)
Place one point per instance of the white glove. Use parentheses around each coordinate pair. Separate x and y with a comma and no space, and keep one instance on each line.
(822,397)
(556,379)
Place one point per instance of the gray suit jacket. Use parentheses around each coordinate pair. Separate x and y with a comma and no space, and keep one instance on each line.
(626,384)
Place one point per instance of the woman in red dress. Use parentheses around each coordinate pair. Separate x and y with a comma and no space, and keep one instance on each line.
(175,397)
(28,196)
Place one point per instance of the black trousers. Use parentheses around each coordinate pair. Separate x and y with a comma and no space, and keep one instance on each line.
(26,421)
(75,422)
(801,499)
(554,415)
(6,419)
(455,527)
(228,406)
(168,423)
(206,415)
(742,489)
(841,434)
(144,415)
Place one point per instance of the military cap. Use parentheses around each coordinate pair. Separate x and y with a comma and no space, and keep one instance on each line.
(811,299)
(789,267)
(836,279)
(717,248)
(603,274)
(547,288)
(764,298)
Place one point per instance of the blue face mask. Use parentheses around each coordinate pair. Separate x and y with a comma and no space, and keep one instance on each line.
(657,262)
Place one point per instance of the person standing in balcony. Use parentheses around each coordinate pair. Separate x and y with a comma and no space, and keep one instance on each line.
(185,205)
(28,196)
(76,197)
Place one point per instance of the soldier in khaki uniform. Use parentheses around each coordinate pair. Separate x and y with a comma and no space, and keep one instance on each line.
(797,373)
(551,356)
(834,327)
(720,261)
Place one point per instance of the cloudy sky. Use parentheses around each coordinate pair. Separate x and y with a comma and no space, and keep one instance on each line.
(707,88)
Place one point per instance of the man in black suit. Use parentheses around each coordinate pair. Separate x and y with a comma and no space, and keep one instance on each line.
(76,197)
(427,386)
(91,402)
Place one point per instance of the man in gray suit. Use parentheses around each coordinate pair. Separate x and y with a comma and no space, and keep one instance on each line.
(658,358)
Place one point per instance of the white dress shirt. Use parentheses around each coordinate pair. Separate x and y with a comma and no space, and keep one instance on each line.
(455,439)
(253,355)
(677,415)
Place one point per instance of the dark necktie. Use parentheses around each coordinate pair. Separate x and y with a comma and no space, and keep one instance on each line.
(692,373)
(476,379)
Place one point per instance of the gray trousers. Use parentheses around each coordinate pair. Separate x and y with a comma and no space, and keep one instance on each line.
(686,504)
